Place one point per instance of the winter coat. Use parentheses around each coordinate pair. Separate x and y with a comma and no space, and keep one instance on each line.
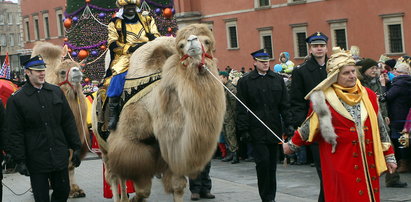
(304,79)
(375,85)
(2,132)
(398,99)
(41,128)
(267,97)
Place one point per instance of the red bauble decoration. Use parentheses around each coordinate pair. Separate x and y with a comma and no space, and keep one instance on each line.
(103,47)
(168,13)
(87,80)
(169,29)
(83,54)
(65,39)
(70,50)
(87,1)
(67,23)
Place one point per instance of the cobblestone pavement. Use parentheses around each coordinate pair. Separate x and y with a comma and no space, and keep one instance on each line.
(230,183)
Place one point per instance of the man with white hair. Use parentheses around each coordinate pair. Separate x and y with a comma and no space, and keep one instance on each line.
(354,145)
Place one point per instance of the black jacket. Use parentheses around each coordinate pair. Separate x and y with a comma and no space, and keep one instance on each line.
(267,97)
(41,128)
(399,101)
(304,79)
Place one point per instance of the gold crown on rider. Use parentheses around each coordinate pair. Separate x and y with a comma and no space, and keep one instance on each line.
(338,59)
(121,3)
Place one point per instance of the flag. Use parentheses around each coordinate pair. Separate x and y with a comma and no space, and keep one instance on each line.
(5,68)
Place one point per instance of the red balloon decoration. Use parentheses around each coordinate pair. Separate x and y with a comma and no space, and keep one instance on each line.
(65,39)
(67,23)
(87,80)
(167,13)
(103,47)
(70,50)
(87,1)
(83,54)
(169,29)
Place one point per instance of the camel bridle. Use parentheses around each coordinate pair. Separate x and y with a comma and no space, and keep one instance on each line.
(203,56)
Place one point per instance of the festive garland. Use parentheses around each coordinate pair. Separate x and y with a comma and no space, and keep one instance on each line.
(91,6)
(73,47)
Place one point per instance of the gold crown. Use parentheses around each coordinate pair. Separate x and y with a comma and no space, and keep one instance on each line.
(121,3)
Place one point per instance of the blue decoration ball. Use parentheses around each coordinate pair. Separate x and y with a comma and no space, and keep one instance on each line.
(63,19)
(101,15)
(173,11)
(75,19)
(158,11)
(94,53)
(74,54)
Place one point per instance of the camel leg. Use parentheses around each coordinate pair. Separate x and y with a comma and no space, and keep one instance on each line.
(143,189)
(174,184)
(123,188)
(75,191)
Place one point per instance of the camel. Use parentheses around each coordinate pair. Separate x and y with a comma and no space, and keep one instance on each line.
(173,129)
(68,76)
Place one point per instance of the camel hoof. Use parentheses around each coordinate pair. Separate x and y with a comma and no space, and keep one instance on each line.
(137,199)
(77,194)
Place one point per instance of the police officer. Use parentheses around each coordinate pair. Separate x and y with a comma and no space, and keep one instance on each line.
(265,93)
(41,130)
(305,78)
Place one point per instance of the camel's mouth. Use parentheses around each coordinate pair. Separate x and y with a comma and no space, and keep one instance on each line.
(194,51)
(77,77)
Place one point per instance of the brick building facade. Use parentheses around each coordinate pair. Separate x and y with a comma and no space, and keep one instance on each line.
(242,26)
(10,32)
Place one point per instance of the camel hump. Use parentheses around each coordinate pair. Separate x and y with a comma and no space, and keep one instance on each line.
(150,58)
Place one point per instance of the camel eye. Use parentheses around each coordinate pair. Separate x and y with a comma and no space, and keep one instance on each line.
(181,46)
(63,72)
(207,42)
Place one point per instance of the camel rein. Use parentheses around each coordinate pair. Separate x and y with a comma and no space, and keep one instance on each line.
(84,130)
(248,109)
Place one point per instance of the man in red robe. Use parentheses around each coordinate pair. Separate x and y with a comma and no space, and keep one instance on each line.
(354,145)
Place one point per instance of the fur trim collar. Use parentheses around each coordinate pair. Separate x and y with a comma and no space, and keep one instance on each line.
(324,116)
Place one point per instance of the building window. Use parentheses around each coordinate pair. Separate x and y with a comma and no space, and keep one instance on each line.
(395,38)
(339,33)
(11,39)
(3,41)
(299,36)
(232,34)
(1,19)
(11,19)
(264,2)
(36,28)
(46,26)
(393,33)
(266,41)
(59,16)
(26,29)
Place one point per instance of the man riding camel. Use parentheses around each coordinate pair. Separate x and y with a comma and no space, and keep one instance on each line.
(128,31)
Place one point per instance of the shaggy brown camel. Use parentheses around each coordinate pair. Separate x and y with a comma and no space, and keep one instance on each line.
(173,129)
(68,76)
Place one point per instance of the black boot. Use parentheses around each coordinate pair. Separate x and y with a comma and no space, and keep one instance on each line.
(229,157)
(114,112)
(235,158)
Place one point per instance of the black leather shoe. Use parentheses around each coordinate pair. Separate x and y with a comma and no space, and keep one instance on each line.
(207,195)
(195,196)
(398,185)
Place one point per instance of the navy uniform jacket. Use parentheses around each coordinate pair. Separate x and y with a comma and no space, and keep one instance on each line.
(41,128)
(267,97)
(304,79)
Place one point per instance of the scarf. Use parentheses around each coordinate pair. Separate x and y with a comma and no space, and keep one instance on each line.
(351,96)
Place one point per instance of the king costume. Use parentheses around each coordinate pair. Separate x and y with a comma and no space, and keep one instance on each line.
(353,142)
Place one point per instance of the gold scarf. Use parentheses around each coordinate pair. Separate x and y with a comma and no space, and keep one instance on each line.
(351,96)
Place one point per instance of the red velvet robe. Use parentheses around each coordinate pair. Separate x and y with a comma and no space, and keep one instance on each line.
(350,173)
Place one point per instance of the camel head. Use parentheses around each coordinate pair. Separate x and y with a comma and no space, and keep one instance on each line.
(69,73)
(195,44)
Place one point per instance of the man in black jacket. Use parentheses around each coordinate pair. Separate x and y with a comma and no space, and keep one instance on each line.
(305,78)
(2,132)
(41,130)
(265,93)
